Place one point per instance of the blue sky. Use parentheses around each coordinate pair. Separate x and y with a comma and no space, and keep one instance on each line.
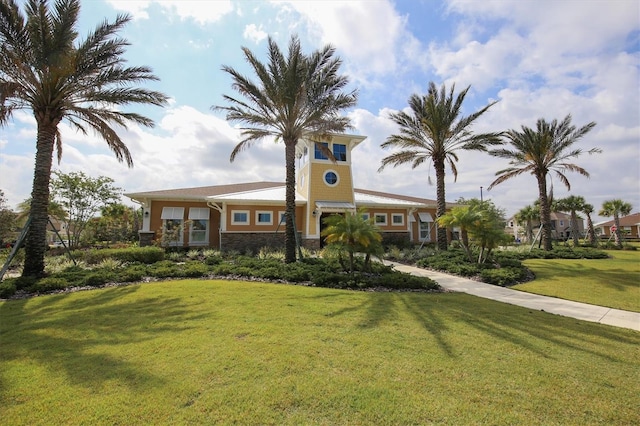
(539,59)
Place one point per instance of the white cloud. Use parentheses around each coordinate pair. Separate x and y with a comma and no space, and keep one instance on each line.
(200,11)
(254,33)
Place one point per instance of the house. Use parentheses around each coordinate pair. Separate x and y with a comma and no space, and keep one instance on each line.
(629,227)
(560,227)
(248,216)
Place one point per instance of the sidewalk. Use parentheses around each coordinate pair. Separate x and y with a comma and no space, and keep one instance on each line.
(567,308)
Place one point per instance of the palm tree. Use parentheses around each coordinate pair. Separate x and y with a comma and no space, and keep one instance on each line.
(538,151)
(434,131)
(294,96)
(587,209)
(571,204)
(44,68)
(616,208)
(464,217)
(353,233)
(528,214)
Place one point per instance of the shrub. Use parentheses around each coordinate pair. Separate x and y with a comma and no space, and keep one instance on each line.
(7,288)
(503,276)
(133,273)
(99,277)
(195,269)
(145,255)
(50,284)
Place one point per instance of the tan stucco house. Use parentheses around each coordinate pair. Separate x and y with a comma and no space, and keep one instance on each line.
(248,216)
(629,226)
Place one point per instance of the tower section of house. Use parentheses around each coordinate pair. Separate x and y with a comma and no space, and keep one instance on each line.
(325,182)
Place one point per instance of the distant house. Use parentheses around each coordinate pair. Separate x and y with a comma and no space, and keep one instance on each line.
(560,227)
(248,216)
(629,226)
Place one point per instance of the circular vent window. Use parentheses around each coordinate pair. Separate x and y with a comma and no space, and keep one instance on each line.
(331,178)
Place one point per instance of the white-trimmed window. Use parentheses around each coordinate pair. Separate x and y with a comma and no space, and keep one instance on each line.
(380,218)
(425,231)
(264,217)
(331,178)
(172,225)
(239,217)
(199,226)
(282,217)
(366,216)
(397,219)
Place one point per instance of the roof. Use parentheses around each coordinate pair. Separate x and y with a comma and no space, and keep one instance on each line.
(202,192)
(269,192)
(631,220)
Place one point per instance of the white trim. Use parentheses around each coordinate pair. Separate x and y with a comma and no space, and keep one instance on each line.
(233,218)
(175,213)
(282,219)
(259,212)
(394,215)
(366,216)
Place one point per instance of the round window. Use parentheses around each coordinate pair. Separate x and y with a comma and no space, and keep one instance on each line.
(331,178)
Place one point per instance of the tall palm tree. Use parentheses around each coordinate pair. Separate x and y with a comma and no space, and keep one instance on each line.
(46,69)
(539,151)
(571,204)
(616,208)
(528,214)
(434,131)
(587,209)
(294,96)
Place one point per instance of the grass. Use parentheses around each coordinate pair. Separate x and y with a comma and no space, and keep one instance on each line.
(606,282)
(228,352)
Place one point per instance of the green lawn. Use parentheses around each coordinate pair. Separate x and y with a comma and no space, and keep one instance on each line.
(223,352)
(614,282)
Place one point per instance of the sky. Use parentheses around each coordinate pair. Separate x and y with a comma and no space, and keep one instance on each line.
(538,59)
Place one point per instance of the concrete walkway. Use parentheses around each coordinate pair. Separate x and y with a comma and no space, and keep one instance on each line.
(567,308)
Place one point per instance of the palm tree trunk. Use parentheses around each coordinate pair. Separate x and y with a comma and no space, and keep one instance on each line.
(36,240)
(616,234)
(464,235)
(574,228)
(529,231)
(441,208)
(591,234)
(290,196)
(545,213)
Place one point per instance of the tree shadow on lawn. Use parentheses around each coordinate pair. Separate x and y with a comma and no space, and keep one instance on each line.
(69,335)
(616,279)
(532,330)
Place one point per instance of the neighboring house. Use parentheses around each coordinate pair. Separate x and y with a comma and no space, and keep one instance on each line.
(629,226)
(560,227)
(248,216)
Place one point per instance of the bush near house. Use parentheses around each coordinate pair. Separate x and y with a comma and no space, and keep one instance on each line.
(114,266)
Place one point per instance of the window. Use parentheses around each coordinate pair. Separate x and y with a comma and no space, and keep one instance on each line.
(365,216)
(397,219)
(562,223)
(331,178)
(172,225)
(199,226)
(282,218)
(239,217)
(380,218)
(340,152)
(263,218)
(425,231)
(318,154)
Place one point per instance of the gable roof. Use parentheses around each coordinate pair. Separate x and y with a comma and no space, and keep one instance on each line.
(202,192)
(631,220)
(274,192)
